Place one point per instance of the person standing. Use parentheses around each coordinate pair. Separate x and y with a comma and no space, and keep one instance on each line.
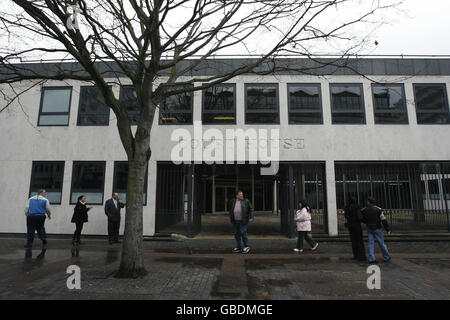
(241,213)
(353,217)
(80,216)
(36,211)
(375,220)
(303,220)
(112,211)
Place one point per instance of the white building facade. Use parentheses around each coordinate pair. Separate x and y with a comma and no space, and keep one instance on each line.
(385,134)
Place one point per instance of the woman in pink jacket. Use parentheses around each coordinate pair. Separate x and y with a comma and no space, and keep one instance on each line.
(303,220)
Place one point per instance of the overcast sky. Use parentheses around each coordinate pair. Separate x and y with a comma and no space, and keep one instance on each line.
(423,29)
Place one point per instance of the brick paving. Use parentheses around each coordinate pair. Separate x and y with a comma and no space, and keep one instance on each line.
(204,269)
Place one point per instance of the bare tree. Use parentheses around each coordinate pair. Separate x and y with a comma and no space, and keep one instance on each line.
(158,45)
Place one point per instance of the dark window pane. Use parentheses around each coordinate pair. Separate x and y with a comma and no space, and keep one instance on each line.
(48,176)
(304,97)
(92,109)
(255,118)
(431,104)
(305,118)
(446,188)
(388,98)
(347,117)
(88,180)
(129,98)
(220,97)
(262,97)
(219,118)
(219,105)
(394,118)
(433,189)
(121,181)
(347,104)
(176,109)
(347,97)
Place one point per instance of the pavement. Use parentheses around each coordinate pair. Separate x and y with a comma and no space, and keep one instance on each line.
(205,269)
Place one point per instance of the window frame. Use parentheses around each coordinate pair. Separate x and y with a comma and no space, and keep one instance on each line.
(145,182)
(404,104)
(305,111)
(33,175)
(277,111)
(446,108)
(162,107)
(232,112)
(103,182)
(362,100)
(41,105)
(79,113)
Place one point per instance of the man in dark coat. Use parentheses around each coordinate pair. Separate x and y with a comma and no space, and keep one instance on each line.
(353,219)
(112,211)
(241,213)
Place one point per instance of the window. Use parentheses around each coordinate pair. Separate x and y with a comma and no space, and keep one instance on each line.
(176,109)
(88,179)
(92,110)
(261,104)
(55,106)
(219,104)
(446,188)
(389,104)
(305,106)
(431,104)
(129,98)
(49,176)
(347,104)
(121,180)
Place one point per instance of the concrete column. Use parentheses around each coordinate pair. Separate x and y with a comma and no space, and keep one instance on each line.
(331,198)
(150,208)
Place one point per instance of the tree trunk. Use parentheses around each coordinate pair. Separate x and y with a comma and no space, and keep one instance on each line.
(132,263)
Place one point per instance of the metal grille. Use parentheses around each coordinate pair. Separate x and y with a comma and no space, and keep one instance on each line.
(415,196)
(169,195)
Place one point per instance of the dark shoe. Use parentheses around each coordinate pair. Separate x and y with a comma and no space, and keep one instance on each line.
(374,261)
(44,243)
(28,246)
(237,250)
(386,261)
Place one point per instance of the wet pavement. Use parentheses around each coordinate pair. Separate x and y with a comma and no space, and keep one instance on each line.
(205,269)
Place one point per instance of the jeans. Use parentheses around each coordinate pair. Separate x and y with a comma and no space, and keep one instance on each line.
(378,235)
(240,231)
(304,235)
(35,223)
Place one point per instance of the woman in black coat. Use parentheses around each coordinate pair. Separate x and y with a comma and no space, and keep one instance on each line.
(353,217)
(80,216)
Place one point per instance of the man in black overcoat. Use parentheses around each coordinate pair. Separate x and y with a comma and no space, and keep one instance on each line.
(112,211)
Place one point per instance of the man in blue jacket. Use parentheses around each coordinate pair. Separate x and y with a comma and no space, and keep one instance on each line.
(38,207)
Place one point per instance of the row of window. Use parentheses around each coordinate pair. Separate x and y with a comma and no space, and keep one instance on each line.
(261,105)
(88,178)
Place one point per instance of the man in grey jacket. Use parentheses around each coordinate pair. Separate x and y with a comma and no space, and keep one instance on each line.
(241,213)
(112,211)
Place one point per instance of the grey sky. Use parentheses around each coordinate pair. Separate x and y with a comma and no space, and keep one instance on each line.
(423,29)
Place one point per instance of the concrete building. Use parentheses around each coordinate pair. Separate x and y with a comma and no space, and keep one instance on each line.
(381,128)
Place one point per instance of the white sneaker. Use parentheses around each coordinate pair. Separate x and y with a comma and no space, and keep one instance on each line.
(315,247)
(298,250)
(246,250)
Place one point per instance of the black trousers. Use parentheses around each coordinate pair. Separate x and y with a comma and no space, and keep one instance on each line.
(356,237)
(77,234)
(304,235)
(113,230)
